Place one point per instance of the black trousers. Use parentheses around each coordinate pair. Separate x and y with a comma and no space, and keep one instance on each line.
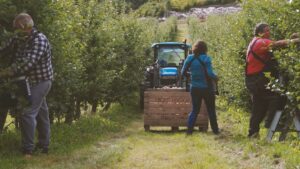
(197,95)
(265,103)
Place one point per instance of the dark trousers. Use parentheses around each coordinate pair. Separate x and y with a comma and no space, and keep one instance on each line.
(264,103)
(197,95)
(263,106)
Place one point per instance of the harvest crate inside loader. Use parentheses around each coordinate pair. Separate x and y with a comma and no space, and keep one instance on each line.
(164,93)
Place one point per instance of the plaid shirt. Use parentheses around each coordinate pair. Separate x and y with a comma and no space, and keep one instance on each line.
(32,57)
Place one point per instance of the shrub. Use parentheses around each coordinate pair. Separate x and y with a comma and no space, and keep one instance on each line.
(228,37)
(99,50)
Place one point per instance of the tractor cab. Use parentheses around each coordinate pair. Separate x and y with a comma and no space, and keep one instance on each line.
(169,56)
(168,61)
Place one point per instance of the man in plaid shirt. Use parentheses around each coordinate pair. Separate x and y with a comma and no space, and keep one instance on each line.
(33,60)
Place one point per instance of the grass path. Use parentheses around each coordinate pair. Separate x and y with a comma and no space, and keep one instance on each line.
(133,148)
(182,33)
(136,149)
(167,150)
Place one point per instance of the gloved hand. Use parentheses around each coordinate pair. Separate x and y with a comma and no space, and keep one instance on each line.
(7,72)
(295,35)
(296,40)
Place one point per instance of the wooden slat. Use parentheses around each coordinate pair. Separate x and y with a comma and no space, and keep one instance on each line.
(166,89)
(154,108)
(173,122)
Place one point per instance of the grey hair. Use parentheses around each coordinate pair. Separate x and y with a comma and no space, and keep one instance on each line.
(23,20)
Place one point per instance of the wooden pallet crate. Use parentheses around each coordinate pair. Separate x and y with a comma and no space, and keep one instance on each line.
(170,107)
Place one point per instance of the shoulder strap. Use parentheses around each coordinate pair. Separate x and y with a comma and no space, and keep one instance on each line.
(255,55)
(204,69)
(188,65)
(211,83)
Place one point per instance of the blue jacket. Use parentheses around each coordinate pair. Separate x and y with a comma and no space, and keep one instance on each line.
(197,71)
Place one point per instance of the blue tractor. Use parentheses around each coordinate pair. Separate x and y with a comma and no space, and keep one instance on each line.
(168,61)
(165,70)
(164,97)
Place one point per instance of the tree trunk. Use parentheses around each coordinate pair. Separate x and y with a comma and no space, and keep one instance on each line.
(69,116)
(77,109)
(3,115)
(94,107)
(51,117)
(70,113)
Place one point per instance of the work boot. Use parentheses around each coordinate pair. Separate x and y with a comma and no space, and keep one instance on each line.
(254,135)
(39,149)
(44,151)
(27,153)
(217,132)
(189,131)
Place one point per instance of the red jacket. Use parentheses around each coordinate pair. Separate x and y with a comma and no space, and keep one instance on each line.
(261,47)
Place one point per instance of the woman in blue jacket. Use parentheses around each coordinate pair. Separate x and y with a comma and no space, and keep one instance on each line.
(199,64)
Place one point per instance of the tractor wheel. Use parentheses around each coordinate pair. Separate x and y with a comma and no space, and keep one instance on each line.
(203,129)
(147,128)
(174,129)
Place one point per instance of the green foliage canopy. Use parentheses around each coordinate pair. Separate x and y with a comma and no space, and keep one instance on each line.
(99,49)
(228,37)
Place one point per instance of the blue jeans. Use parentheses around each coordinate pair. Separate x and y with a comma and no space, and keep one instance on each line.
(197,95)
(36,116)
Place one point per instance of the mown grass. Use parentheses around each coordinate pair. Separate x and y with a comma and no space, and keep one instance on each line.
(235,121)
(231,150)
(166,150)
(67,139)
(108,141)
(182,31)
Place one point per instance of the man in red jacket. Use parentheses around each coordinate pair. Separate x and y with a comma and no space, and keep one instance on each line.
(259,61)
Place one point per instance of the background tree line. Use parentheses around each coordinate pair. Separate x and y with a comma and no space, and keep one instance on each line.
(228,37)
(101,47)
(99,50)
